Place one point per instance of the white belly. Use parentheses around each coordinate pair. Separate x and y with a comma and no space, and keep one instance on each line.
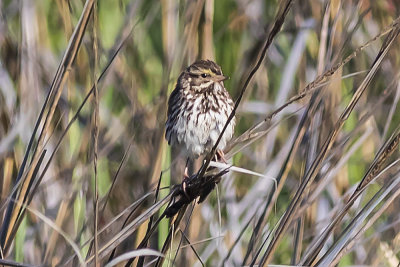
(200,134)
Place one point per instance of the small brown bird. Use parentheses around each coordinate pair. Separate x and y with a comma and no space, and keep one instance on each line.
(198,109)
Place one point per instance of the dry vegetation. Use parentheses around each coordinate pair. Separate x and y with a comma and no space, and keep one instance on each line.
(87,177)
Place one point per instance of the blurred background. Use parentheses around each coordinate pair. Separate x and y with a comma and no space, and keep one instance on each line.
(153,41)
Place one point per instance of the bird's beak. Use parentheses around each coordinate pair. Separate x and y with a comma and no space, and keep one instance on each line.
(220,78)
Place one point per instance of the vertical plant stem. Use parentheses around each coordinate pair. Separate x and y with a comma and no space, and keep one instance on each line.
(95,135)
(165,182)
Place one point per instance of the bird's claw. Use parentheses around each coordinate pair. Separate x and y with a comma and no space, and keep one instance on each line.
(220,156)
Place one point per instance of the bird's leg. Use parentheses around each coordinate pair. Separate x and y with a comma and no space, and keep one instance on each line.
(185,177)
(186,172)
(220,156)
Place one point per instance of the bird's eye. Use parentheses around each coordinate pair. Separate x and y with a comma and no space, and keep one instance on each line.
(204,75)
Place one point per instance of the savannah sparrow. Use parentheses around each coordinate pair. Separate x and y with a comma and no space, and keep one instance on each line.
(198,109)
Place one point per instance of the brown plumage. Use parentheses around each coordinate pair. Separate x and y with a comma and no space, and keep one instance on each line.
(198,109)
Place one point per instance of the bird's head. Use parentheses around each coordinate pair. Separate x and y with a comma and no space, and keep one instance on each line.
(204,73)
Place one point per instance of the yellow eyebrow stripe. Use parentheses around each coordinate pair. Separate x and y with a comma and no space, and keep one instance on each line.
(208,71)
